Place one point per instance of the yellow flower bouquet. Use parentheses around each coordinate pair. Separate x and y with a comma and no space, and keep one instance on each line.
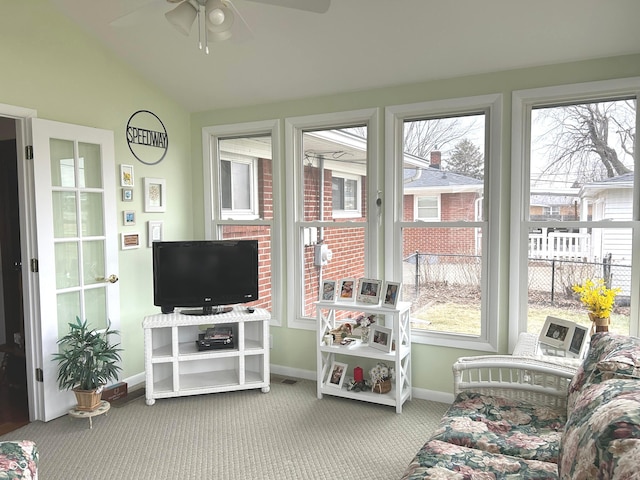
(597,297)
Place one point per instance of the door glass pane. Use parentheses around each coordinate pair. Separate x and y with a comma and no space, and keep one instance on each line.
(89,166)
(95,304)
(62,163)
(91,211)
(64,215)
(67,265)
(93,261)
(68,310)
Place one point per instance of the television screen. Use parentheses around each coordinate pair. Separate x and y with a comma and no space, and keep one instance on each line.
(205,274)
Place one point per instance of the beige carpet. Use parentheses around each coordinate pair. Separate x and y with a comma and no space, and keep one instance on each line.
(285,434)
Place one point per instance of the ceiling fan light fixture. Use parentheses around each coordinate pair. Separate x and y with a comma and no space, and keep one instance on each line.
(218,19)
(182,17)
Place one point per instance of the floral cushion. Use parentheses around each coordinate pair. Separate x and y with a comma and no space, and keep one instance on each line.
(609,355)
(500,425)
(442,460)
(602,436)
(18,460)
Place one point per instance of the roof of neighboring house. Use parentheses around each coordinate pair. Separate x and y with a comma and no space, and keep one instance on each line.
(619,181)
(434,177)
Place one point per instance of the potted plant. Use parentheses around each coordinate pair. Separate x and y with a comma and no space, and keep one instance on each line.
(87,362)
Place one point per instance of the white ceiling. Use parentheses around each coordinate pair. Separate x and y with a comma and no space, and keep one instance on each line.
(356,45)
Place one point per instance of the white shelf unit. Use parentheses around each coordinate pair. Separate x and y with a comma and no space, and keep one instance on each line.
(174,366)
(396,318)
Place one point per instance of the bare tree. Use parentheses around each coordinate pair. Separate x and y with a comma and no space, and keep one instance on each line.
(421,137)
(586,141)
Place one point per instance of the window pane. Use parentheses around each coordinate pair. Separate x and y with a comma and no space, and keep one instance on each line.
(558,260)
(225,184)
(332,162)
(444,158)
(428,208)
(582,161)
(442,270)
(241,185)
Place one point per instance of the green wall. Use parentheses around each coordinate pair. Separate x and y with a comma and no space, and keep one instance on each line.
(295,348)
(54,67)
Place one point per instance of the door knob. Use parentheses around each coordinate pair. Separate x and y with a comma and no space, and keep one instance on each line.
(112,278)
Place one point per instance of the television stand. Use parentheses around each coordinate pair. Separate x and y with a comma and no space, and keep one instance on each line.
(207,310)
(174,367)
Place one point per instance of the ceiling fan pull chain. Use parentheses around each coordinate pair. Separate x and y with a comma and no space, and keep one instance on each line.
(199,28)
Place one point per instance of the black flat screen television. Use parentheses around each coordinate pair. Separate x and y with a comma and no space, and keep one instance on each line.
(205,274)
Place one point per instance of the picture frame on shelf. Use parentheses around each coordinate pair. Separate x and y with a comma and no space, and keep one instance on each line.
(155,195)
(127,194)
(391,294)
(129,241)
(337,373)
(556,332)
(128,218)
(126,176)
(154,231)
(369,291)
(347,290)
(579,337)
(380,337)
(328,292)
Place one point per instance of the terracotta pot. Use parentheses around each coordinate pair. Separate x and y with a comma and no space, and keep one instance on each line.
(88,400)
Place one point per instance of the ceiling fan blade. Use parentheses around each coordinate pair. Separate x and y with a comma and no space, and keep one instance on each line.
(316,6)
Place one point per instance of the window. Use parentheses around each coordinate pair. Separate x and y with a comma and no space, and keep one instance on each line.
(428,207)
(329,225)
(237,190)
(345,195)
(445,210)
(573,160)
(242,191)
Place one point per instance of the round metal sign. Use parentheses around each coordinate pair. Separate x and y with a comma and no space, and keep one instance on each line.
(147,137)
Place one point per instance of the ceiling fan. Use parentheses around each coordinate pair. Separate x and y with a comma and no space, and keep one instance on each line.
(219,20)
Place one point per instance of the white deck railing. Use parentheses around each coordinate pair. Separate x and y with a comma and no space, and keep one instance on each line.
(560,245)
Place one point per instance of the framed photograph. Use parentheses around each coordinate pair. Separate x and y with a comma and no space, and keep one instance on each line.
(126,175)
(391,294)
(556,332)
(128,218)
(328,290)
(154,232)
(578,340)
(127,194)
(347,290)
(336,374)
(130,240)
(380,337)
(155,195)
(369,290)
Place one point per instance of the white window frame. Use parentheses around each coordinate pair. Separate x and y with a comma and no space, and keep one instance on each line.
(213,218)
(523,101)
(416,208)
(252,211)
(294,129)
(395,116)
(358,210)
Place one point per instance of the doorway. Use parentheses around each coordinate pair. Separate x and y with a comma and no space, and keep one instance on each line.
(14,402)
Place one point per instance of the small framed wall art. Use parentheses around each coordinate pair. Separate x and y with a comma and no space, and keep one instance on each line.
(369,290)
(155,195)
(154,232)
(127,194)
(328,290)
(336,374)
(347,290)
(130,240)
(126,175)
(391,294)
(128,218)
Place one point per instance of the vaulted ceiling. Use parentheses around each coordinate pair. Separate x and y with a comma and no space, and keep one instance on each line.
(355,45)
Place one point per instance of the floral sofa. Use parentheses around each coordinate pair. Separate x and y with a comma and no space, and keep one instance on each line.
(18,460)
(518,417)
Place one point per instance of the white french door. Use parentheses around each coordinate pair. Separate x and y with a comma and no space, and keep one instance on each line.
(75,200)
